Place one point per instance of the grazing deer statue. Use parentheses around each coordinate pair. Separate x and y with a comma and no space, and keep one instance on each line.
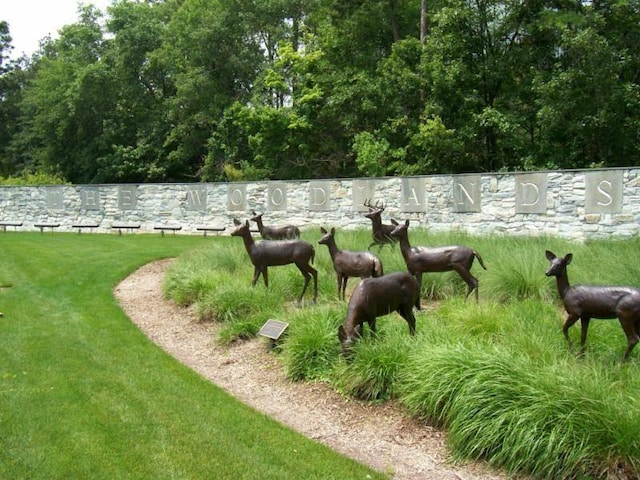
(381,231)
(375,297)
(585,302)
(278,252)
(275,233)
(349,264)
(438,259)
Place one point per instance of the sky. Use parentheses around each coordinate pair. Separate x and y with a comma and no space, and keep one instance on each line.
(31,20)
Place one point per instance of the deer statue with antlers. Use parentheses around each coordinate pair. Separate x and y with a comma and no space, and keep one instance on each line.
(381,232)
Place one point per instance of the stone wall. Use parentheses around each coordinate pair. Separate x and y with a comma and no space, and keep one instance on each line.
(576,204)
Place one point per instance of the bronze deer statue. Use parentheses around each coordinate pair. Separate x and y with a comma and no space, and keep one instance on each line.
(349,264)
(381,231)
(275,233)
(278,252)
(585,302)
(375,297)
(438,259)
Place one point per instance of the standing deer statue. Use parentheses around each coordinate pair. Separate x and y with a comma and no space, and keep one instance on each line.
(375,297)
(349,264)
(381,232)
(438,259)
(278,252)
(275,233)
(585,302)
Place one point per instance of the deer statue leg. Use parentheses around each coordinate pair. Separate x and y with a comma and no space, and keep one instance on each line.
(418,276)
(256,275)
(470,280)
(308,271)
(265,275)
(339,286)
(372,327)
(584,323)
(314,272)
(407,314)
(629,325)
(571,319)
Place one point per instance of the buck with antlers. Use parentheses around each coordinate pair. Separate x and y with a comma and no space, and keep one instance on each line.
(381,231)
(376,297)
(278,252)
(585,302)
(438,259)
(274,233)
(349,264)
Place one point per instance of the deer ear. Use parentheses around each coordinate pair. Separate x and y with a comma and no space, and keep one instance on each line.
(236,221)
(322,229)
(406,223)
(568,257)
(550,255)
(246,223)
(342,334)
(333,230)
(394,222)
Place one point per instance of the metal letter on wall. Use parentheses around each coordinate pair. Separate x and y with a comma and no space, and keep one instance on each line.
(127,197)
(412,195)
(196,197)
(466,193)
(603,191)
(55,198)
(90,198)
(237,197)
(531,193)
(319,196)
(361,191)
(277,192)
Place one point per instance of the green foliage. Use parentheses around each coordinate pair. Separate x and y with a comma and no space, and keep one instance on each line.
(37,178)
(221,90)
(310,349)
(375,368)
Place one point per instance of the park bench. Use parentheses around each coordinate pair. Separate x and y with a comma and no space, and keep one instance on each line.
(207,229)
(5,224)
(126,227)
(81,226)
(167,228)
(42,226)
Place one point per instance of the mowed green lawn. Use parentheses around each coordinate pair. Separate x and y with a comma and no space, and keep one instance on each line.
(84,394)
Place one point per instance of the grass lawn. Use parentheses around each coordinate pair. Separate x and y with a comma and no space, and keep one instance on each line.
(84,394)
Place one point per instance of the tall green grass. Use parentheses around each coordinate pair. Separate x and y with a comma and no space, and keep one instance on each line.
(497,375)
(84,394)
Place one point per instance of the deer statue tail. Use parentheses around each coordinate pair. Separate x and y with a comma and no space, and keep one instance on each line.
(477,255)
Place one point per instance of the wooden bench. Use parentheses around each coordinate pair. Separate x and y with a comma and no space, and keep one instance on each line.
(126,227)
(168,228)
(215,230)
(15,225)
(80,226)
(42,226)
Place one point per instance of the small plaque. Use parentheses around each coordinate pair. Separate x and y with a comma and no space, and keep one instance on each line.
(273,329)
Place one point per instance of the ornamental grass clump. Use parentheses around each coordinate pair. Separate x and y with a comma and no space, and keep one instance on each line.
(550,420)
(373,370)
(311,347)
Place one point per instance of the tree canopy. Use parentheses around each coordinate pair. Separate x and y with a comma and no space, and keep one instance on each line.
(215,90)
